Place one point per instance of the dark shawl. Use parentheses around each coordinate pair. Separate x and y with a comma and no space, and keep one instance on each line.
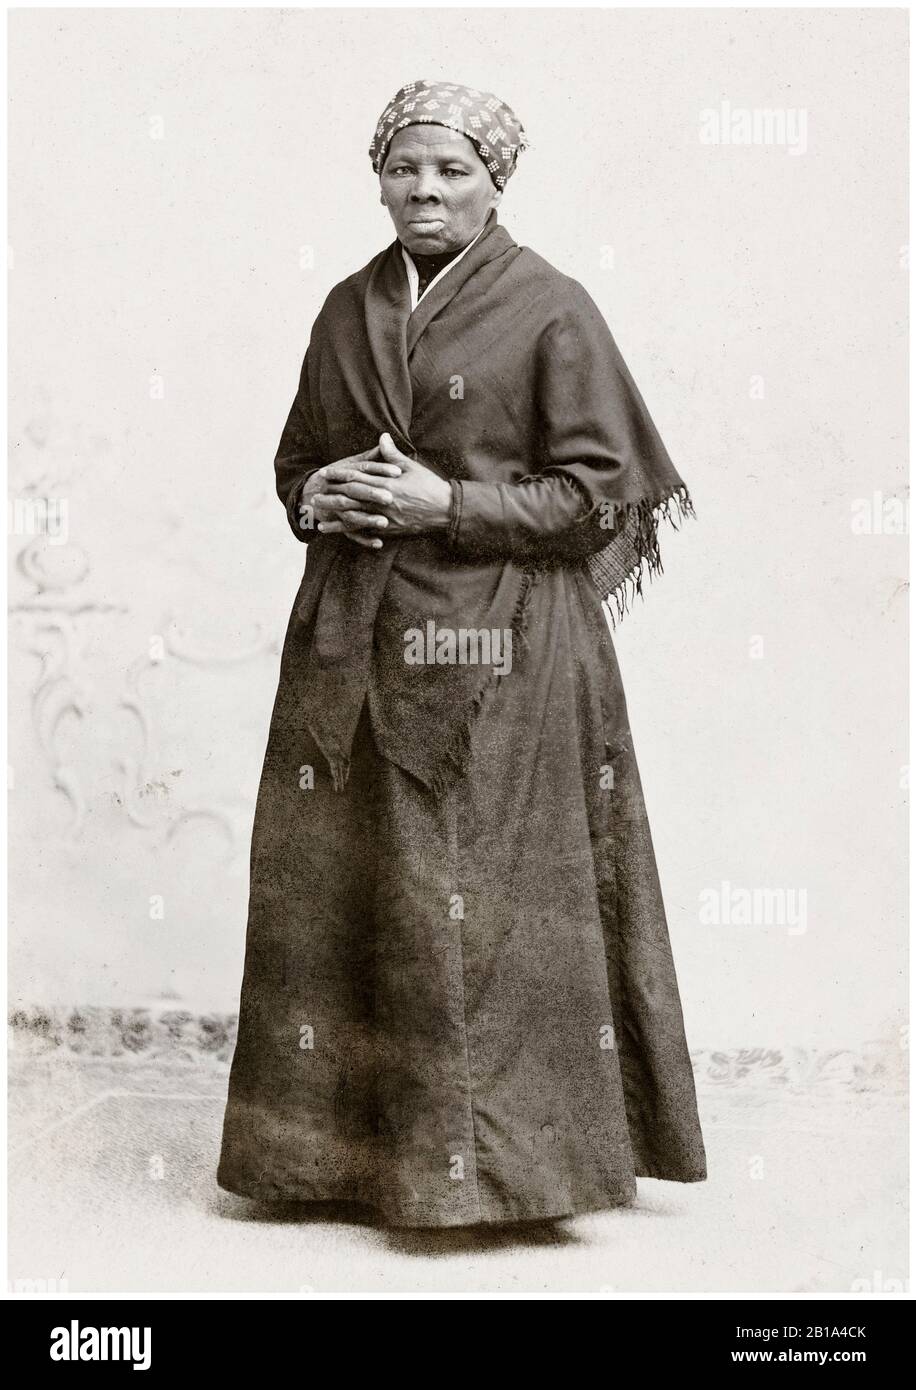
(507,381)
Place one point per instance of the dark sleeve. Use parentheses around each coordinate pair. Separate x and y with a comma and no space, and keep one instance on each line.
(538,518)
(593,429)
(299,453)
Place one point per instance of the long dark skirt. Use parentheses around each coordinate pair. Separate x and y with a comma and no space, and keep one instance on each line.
(464,1010)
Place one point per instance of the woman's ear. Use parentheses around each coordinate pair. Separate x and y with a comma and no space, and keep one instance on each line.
(497,198)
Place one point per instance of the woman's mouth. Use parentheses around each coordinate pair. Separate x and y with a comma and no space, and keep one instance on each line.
(427,224)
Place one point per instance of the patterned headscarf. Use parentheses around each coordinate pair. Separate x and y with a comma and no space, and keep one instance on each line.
(493,126)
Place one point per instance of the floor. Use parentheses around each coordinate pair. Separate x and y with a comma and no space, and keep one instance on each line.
(112,1190)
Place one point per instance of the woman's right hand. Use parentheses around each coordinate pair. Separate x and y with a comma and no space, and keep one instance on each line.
(350,516)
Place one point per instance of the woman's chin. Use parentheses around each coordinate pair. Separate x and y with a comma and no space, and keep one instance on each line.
(427,241)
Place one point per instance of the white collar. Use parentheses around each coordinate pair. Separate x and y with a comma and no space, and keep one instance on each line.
(413,278)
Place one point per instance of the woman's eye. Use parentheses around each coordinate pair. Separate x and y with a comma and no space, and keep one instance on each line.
(407,169)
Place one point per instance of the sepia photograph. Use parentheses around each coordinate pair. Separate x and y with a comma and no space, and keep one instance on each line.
(458,528)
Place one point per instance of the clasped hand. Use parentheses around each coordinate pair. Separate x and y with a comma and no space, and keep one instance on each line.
(381,490)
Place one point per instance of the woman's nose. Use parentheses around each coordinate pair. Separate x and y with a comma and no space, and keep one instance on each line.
(423,189)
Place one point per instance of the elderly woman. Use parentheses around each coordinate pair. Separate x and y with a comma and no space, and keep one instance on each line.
(459,1003)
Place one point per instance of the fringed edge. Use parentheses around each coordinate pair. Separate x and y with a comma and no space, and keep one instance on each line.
(338,765)
(457,753)
(340,772)
(675,507)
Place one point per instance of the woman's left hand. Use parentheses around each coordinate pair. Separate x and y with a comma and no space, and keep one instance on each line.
(420,500)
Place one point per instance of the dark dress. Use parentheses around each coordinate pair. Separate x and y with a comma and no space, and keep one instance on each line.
(459,1003)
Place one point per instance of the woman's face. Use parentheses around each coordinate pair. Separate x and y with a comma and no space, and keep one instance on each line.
(436,188)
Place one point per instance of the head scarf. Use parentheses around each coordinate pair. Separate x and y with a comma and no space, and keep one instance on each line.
(491,125)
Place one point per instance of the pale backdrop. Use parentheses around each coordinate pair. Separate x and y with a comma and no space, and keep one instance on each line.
(185,189)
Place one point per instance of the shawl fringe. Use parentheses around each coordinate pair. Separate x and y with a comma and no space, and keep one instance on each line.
(617,575)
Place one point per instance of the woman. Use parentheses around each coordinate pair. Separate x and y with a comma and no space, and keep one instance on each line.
(459,1003)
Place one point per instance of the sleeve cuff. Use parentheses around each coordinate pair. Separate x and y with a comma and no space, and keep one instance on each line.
(455,510)
(302,533)
(477,522)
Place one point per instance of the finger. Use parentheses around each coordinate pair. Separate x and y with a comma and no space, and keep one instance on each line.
(338,502)
(369,462)
(337,528)
(354,521)
(339,473)
(385,469)
(370,542)
(390,451)
(362,492)
(365,456)
(363,521)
